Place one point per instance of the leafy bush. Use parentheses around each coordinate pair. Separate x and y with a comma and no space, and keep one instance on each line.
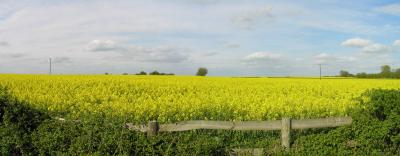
(83,138)
(375,129)
(17,122)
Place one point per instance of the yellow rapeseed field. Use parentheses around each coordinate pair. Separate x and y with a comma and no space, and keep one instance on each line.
(178,98)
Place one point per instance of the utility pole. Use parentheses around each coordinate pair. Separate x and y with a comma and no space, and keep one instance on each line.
(50,66)
(320,71)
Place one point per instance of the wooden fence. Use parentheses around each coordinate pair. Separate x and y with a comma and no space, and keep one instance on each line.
(285,125)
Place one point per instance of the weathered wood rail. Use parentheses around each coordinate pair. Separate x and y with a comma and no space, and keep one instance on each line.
(285,125)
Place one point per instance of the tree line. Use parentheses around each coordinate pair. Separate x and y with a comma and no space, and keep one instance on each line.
(153,73)
(386,72)
(200,72)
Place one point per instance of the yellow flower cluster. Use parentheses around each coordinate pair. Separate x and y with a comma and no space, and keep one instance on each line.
(178,98)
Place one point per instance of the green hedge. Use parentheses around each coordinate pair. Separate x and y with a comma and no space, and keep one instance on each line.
(375,130)
(25,131)
(17,124)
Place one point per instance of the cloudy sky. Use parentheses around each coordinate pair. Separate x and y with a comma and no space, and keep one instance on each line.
(229,37)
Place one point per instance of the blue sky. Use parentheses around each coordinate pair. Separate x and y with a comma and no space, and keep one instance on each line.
(229,37)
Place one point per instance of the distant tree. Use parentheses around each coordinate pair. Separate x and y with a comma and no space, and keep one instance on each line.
(344,73)
(158,73)
(362,75)
(202,71)
(142,73)
(125,74)
(106,73)
(386,71)
(397,73)
(154,73)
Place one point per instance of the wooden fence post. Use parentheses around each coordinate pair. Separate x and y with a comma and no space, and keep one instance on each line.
(285,133)
(152,128)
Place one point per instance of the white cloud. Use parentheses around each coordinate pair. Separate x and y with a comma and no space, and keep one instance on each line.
(166,54)
(201,2)
(61,60)
(12,55)
(368,46)
(356,42)
(149,34)
(249,18)
(4,44)
(349,59)
(263,56)
(376,48)
(232,46)
(209,54)
(102,45)
(396,43)
(393,9)
(324,58)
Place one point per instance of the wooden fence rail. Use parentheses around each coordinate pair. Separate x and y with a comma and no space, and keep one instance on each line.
(285,125)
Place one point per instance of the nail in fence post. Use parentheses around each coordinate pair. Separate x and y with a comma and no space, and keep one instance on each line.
(152,128)
(285,133)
